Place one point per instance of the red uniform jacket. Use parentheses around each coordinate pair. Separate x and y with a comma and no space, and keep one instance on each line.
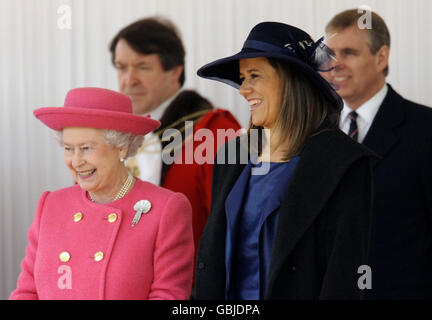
(194,180)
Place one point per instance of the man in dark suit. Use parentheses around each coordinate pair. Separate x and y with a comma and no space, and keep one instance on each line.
(400,132)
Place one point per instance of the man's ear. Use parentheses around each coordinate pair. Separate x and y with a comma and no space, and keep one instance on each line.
(176,73)
(382,57)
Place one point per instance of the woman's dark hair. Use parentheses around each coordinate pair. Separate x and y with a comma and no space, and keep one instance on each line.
(305,110)
(154,35)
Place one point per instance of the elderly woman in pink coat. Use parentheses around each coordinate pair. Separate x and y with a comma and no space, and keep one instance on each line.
(110,236)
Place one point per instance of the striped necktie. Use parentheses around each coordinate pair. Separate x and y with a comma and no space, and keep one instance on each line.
(353,129)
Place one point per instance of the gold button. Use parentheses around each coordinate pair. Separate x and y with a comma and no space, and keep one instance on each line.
(112,218)
(98,256)
(64,256)
(77,217)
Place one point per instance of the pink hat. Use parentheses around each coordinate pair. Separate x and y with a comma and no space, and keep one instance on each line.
(96,108)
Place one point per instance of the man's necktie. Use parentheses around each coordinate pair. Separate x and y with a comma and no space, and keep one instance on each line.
(353,129)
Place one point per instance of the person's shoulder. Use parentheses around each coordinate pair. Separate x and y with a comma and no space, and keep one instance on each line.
(219,118)
(417,120)
(150,187)
(235,149)
(60,197)
(418,112)
(336,144)
(162,199)
(155,192)
(330,154)
(412,109)
(66,192)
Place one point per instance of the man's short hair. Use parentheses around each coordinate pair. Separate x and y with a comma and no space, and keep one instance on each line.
(154,35)
(378,35)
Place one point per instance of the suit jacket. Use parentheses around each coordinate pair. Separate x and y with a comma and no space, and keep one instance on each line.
(401,240)
(323,226)
(152,260)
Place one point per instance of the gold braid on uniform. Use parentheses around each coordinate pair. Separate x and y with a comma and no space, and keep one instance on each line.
(132,163)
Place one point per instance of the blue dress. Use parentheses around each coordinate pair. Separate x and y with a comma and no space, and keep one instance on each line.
(252,210)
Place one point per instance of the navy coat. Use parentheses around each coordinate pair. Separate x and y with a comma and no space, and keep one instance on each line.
(401,242)
(323,227)
(269,214)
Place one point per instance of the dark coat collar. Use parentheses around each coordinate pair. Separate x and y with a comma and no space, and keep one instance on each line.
(323,162)
(382,136)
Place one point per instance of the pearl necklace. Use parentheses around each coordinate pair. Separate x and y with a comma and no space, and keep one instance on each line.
(124,189)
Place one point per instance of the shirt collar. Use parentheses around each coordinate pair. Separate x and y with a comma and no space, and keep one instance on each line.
(159,111)
(369,109)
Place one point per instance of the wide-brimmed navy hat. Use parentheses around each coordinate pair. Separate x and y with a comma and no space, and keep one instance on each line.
(279,41)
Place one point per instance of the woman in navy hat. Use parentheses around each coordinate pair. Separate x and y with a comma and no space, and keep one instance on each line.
(293,222)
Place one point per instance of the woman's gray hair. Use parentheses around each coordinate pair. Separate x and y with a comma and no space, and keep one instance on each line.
(118,140)
(122,140)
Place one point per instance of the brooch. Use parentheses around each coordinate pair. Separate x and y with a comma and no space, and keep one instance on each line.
(141,207)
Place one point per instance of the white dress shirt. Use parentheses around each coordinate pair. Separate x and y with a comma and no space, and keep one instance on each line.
(366,114)
(149,157)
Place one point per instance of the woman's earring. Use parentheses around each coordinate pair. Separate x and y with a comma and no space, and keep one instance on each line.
(122,159)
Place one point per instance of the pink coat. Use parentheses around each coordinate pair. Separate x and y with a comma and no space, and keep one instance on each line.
(104,257)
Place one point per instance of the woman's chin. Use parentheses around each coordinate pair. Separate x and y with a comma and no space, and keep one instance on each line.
(257,122)
(84,185)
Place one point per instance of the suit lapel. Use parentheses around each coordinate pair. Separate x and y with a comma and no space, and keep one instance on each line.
(382,136)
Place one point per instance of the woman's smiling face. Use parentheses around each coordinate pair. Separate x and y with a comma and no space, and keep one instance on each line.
(261,87)
(94,164)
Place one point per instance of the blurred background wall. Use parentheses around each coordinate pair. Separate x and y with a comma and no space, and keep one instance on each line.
(40,61)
